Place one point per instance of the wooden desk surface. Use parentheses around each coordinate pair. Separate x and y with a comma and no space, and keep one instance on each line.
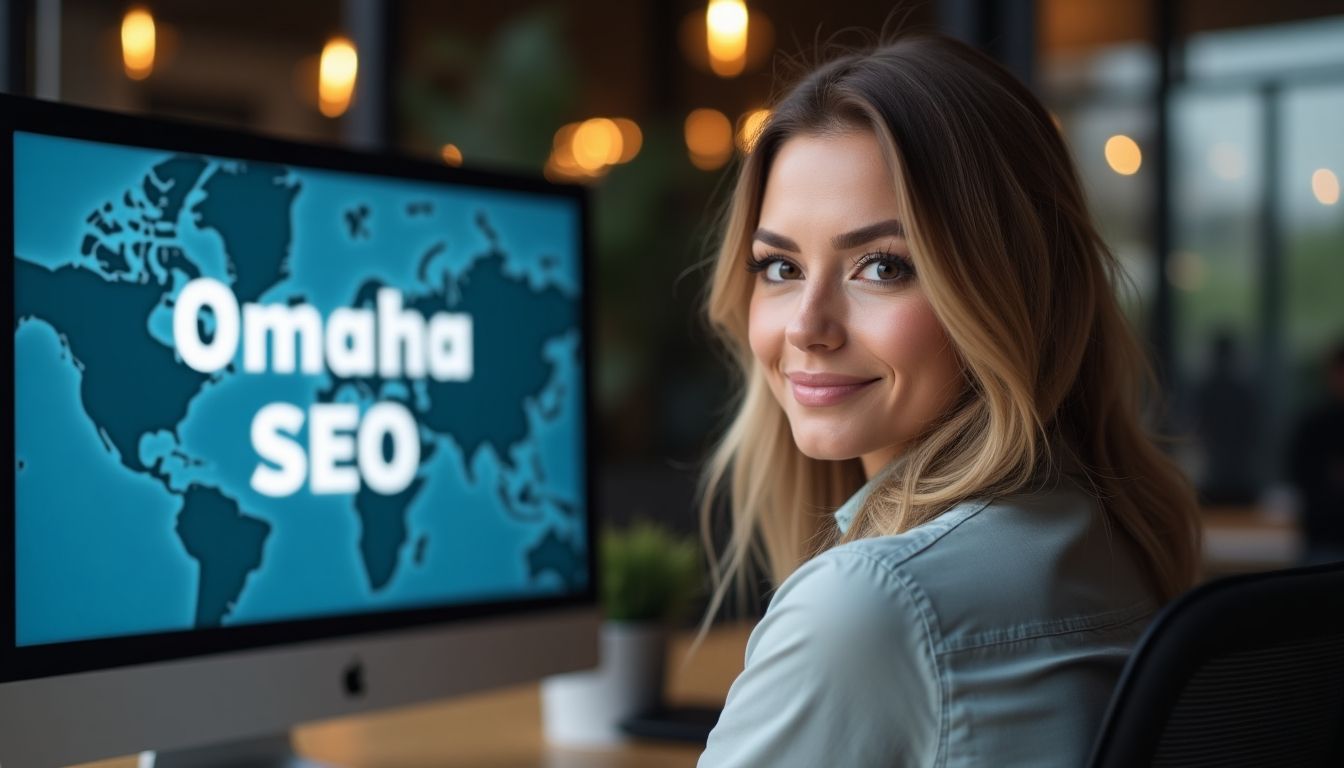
(502,729)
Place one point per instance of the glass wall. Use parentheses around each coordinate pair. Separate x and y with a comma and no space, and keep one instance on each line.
(1313,237)
(1257,246)
(1099,81)
(1255,252)
(1213,271)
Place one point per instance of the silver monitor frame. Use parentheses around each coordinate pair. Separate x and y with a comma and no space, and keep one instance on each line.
(227,697)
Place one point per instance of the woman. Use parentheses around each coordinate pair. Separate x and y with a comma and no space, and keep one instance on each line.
(924,317)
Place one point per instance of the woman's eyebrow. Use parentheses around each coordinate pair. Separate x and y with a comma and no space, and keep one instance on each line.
(888,228)
(775,239)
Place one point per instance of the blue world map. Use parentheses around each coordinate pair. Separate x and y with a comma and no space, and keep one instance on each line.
(134,513)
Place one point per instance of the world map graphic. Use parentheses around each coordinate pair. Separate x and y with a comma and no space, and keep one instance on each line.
(134,514)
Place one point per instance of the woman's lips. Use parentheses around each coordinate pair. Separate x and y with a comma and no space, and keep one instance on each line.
(821,389)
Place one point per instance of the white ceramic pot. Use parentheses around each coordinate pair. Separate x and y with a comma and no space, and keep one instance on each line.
(584,708)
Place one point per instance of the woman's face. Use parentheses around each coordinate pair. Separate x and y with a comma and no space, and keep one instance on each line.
(838,320)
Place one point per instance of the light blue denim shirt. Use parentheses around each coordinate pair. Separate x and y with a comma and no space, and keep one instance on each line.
(992,635)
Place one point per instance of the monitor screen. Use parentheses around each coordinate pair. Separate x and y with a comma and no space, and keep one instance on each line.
(259,398)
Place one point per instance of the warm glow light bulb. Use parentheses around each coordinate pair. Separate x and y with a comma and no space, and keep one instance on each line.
(1325,186)
(137,43)
(1123,155)
(336,76)
(726,24)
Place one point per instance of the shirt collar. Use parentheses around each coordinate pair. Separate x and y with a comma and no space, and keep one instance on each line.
(845,514)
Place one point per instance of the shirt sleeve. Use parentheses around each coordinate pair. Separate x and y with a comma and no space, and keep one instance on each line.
(839,671)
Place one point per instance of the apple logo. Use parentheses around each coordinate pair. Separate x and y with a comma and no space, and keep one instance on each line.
(354,678)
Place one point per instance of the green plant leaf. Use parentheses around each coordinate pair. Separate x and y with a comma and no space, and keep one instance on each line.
(648,574)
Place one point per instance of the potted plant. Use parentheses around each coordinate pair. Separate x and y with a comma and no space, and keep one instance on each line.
(649,578)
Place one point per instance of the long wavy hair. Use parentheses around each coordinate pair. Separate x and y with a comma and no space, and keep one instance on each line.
(1009,258)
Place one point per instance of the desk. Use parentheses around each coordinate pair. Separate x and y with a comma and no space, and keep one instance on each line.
(502,729)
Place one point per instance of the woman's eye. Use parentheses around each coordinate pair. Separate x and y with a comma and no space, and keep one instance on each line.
(781,270)
(884,270)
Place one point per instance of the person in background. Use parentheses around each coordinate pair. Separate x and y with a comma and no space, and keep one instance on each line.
(937,453)
(1316,467)
(1228,407)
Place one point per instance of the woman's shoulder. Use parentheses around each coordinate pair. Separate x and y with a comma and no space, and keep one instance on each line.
(1046,562)
(841,650)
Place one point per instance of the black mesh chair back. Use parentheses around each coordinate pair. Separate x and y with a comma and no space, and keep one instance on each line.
(1243,671)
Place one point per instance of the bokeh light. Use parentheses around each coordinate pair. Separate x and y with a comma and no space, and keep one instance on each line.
(709,138)
(632,138)
(726,34)
(1325,186)
(584,151)
(137,43)
(1123,155)
(336,76)
(597,142)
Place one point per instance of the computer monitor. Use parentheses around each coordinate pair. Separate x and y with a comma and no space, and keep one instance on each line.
(297,432)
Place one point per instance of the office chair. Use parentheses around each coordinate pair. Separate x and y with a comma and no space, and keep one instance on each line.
(1243,671)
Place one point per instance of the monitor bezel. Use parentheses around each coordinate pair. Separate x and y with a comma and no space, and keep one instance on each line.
(61,120)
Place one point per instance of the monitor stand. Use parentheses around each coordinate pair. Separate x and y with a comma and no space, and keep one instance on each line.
(273,751)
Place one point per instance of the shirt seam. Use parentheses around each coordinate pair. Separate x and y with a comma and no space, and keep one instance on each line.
(1093,621)
(931,628)
(914,546)
(1097,622)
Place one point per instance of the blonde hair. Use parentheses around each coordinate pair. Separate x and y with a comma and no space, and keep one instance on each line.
(1007,254)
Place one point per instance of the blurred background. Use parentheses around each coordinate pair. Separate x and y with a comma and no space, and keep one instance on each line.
(1208,133)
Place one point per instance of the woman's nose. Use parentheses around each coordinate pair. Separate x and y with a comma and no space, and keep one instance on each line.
(816,324)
